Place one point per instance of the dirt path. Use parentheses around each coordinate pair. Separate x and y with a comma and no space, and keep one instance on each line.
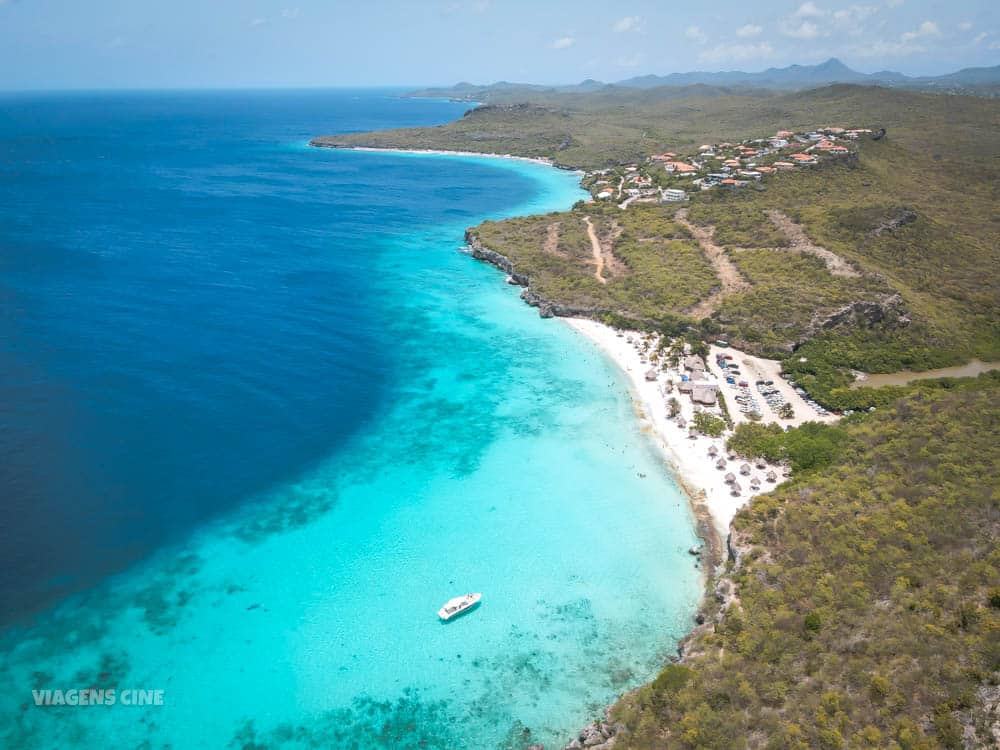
(551,244)
(802,244)
(729,275)
(595,246)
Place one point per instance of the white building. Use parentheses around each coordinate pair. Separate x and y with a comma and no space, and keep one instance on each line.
(672,195)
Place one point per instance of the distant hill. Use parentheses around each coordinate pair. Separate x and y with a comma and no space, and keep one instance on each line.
(979,81)
(794,76)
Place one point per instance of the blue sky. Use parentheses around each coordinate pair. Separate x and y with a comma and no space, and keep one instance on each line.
(221,43)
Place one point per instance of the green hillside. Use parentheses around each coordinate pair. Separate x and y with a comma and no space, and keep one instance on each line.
(867,606)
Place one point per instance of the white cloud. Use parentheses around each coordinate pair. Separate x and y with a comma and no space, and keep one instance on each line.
(927,28)
(751,29)
(854,19)
(628,23)
(257,22)
(890,48)
(563,42)
(737,52)
(893,3)
(978,38)
(855,13)
(965,26)
(805,30)
(696,34)
(291,13)
(907,44)
(994,45)
(809,9)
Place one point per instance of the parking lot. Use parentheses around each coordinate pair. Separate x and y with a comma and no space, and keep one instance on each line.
(754,385)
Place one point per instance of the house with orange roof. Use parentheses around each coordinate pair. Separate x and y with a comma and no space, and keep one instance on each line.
(804,158)
(783,165)
(679,167)
(784,134)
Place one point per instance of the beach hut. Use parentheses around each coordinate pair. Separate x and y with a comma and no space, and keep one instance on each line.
(720,464)
(772,476)
(713,451)
(730,478)
(760,463)
(745,470)
(734,489)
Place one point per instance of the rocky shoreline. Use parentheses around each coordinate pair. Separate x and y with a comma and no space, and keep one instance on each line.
(546,308)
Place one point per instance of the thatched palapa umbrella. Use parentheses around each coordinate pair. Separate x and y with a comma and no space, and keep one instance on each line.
(745,470)
(730,478)
(713,451)
(772,476)
(720,464)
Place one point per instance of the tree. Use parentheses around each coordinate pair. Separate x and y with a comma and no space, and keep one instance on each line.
(709,424)
(786,411)
(673,408)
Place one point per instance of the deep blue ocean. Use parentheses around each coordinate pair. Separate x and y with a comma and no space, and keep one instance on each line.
(259,418)
(175,326)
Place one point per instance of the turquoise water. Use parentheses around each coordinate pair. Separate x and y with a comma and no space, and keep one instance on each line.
(507,460)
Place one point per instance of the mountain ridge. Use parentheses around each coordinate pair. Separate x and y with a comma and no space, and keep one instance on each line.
(981,80)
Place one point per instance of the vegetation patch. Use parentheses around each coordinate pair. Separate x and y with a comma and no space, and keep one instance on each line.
(864,613)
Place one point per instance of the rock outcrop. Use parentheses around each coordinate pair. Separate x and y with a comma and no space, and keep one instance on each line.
(598,736)
(863,314)
(903,217)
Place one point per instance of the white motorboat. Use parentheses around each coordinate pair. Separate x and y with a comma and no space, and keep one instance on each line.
(459,605)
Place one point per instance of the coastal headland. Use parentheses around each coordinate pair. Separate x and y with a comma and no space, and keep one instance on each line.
(776,246)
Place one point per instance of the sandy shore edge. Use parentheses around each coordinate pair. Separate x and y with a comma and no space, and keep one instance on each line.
(443,152)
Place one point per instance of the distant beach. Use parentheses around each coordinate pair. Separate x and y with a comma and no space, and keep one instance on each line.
(439,152)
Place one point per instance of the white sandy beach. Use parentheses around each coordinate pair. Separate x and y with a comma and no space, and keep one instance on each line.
(442,152)
(688,458)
